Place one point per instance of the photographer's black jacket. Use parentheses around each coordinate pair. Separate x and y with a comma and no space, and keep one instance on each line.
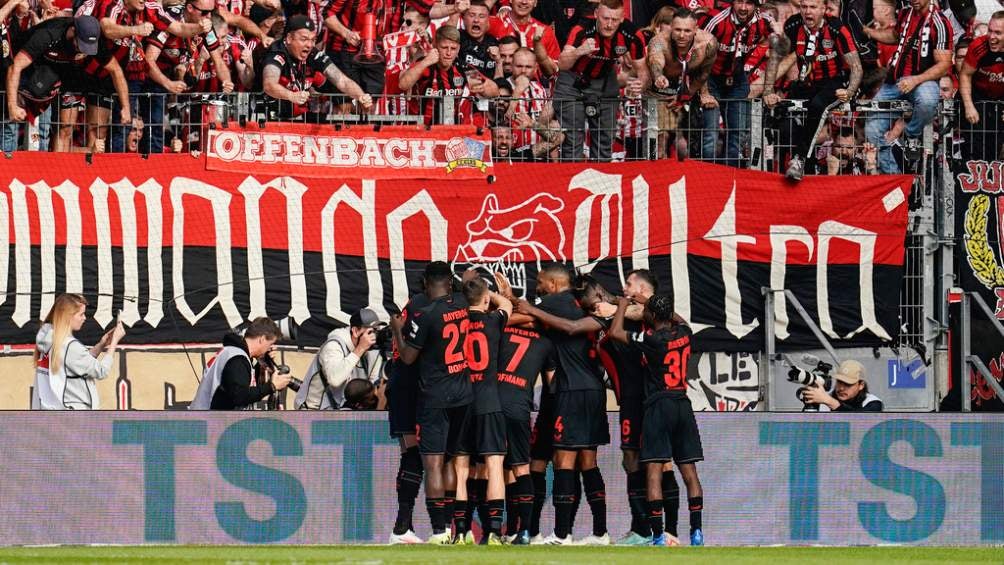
(236,392)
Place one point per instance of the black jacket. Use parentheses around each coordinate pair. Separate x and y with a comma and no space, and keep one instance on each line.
(236,392)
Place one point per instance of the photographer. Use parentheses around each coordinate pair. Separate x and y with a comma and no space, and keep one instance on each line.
(229,382)
(851,392)
(342,358)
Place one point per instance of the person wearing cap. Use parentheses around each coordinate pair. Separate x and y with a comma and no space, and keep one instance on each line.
(57,50)
(291,69)
(347,354)
(851,394)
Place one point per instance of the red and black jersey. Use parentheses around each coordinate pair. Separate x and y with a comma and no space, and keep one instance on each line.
(482,350)
(127,51)
(503,24)
(666,352)
(421,6)
(435,84)
(439,331)
(988,80)
(351,14)
(208,77)
(622,363)
(626,40)
(578,368)
(297,76)
(920,35)
(523,355)
(820,53)
(736,40)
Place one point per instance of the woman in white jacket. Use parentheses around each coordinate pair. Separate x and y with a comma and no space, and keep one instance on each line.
(66,371)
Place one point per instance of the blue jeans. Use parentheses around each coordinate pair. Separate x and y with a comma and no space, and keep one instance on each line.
(146,100)
(732,101)
(925,100)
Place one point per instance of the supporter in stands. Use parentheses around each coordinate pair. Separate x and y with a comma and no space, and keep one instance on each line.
(344,20)
(508,46)
(847,156)
(165,53)
(10,27)
(851,394)
(436,77)
(531,110)
(586,87)
(680,60)
(229,381)
(533,34)
(401,49)
(923,55)
(479,52)
(947,88)
(66,371)
(981,85)
(292,68)
(828,68)
(65,58)
(739,29)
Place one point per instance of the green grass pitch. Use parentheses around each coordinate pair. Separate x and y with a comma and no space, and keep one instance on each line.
(374,555)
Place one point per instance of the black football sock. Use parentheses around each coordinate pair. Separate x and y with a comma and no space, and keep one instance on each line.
(539,480)
(481,492)
(577,492)
(564,501)
(437,514)
(511,508)
(696,505)
(671,501)
(449,502)
(494,516)
(637,503)
(409,480)
(472,501)
(655,517)
(596,495)
(527,500)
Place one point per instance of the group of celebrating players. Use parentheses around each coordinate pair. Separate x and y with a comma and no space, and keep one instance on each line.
(461,394)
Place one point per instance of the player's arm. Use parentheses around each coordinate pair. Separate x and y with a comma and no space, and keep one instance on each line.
(616,331)
(571,327)
(505,289)
(501,303)
(408,354)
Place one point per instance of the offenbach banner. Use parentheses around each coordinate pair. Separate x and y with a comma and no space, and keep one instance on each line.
(187,253)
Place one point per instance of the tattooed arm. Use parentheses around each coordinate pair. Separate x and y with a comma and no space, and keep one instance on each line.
(657,62)
(778,48)
(854,62)
(703,70)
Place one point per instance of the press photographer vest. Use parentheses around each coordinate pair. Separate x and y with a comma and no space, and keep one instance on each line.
(213,375)
(342,339)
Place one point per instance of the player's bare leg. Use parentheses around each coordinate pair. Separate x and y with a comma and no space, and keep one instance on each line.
(695,501)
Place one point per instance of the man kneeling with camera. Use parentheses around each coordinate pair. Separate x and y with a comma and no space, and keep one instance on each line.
(348,354)
(229,381)
(851,393)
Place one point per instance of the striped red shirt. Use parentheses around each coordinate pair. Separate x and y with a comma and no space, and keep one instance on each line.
(532,103)
(503,25)
(351,13)
(920,35)
(435,84)
(627,39)
(988,80)
(736,41)
(820,53)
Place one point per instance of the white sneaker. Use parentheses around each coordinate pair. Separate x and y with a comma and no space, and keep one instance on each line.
(537,540)
(408,537)
(595,540)
(510,539)
(439,539)
(555,540)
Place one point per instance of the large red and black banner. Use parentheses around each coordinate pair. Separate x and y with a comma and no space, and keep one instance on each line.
(187,253)
(979,226)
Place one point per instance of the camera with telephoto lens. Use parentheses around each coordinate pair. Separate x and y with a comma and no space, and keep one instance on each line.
(279,369)
(818,376)
(384,342)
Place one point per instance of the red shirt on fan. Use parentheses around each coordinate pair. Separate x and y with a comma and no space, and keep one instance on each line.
(988,80)
(127,51)
(920,35)
(503,24)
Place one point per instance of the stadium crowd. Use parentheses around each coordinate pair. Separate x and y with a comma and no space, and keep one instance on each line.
(553,79)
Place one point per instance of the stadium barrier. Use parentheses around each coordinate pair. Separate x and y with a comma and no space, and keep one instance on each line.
(309,478)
